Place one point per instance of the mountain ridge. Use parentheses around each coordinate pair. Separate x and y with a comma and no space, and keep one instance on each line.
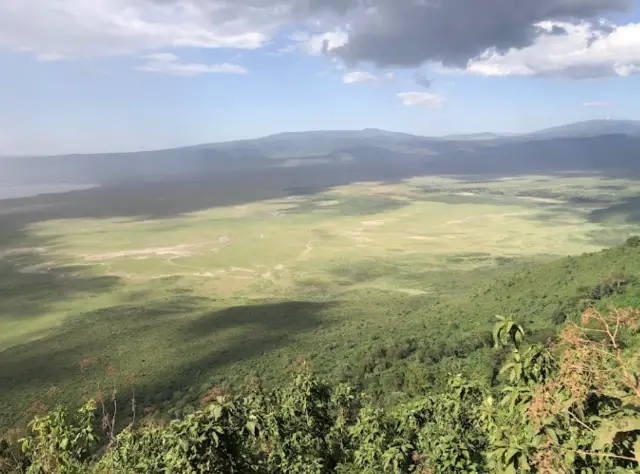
(584,128)
(367,154)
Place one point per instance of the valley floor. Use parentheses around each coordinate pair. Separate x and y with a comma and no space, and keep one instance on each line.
(206,298)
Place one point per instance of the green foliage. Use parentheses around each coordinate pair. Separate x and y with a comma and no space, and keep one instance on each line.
(576,410)
(507,331)
(59,443)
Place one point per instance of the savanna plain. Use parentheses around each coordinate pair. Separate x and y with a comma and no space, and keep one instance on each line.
(358,279)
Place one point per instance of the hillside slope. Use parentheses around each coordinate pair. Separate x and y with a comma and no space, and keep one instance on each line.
(452,333)
(567,408)
(382,340)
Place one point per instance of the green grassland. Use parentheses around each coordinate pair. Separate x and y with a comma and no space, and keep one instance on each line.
(360,279)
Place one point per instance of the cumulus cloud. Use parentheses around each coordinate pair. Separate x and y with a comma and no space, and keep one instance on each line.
(425,99)
(69,29)
(585,50)
(597,104)
(488,37)
(167,63)
(358,77)
(318,43)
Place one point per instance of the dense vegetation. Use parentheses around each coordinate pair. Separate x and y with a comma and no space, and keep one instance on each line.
(562,396)
(571,408)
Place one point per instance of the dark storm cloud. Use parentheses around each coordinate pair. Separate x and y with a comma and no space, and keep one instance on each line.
(406,33)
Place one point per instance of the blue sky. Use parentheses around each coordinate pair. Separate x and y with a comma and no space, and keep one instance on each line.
(92,75)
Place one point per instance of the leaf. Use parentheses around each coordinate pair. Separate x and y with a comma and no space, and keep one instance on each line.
(519,336)
(511,470)
(251,427)
(510,454)
(496,336)
(607,432)
(552,434)
(636,449)
(569,458)
(217,412)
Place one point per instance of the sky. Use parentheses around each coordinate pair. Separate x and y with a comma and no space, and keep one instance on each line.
(81,76)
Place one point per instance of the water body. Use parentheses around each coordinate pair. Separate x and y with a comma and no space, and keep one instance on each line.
(12,191)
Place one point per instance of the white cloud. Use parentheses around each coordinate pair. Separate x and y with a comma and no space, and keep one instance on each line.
(597,104)
(359,77)
(167,63)
(585,51)
(362,77)
(70,29)
(316,44)
(425,99)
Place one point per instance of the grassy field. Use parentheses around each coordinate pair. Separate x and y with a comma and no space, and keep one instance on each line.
(209,297)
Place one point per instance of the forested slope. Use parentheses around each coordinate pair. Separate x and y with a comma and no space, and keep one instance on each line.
(551,386)
(453,333)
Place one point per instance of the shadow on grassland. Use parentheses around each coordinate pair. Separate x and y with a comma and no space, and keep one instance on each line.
(625,212)
(232,335)
(30,286)
(167,345)
(33,288)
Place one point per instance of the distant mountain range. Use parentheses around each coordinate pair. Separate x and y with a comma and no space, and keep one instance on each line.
(597,146)
(591,128)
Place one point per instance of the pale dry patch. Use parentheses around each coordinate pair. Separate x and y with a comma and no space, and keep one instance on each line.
(510,214)
(182,250)
(539,199)
(243,270)
(410,291)
(307,250)
(362,240)
(327,203)
(19,250)
(177,251)
(269,276)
